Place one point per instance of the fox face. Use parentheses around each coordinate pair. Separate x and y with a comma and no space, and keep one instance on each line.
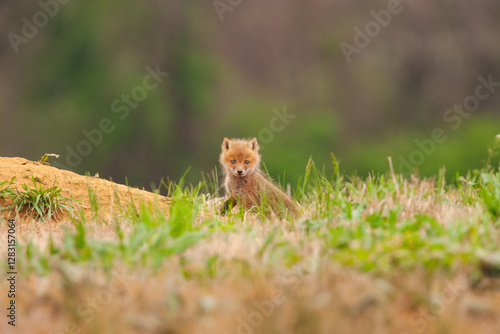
(240,157)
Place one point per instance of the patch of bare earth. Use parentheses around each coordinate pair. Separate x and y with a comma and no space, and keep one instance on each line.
(112,198)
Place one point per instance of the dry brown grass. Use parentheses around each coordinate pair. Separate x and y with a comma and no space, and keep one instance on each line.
(329,299)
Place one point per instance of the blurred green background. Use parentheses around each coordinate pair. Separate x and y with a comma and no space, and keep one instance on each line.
(233,66)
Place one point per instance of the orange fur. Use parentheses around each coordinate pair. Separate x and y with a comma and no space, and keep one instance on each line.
(245,183)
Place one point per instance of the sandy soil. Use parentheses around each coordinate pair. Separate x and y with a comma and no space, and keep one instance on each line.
(110,196)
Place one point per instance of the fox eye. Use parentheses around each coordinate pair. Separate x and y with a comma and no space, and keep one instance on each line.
(233,161)
(247,162)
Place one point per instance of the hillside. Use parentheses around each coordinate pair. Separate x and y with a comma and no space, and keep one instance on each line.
(77,188)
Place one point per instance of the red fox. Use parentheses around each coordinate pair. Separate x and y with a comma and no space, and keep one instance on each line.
(245,183)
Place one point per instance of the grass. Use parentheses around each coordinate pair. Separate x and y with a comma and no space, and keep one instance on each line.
(364,224)
(6,190)
(366,255)
(37,201)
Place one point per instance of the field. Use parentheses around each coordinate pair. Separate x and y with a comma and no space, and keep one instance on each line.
(384,254)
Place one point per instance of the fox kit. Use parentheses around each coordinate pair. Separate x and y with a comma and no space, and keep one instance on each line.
(246,184)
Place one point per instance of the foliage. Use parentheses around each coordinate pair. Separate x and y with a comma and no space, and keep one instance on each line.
(387,231)
(226,82)
(6,189)
(370,225)
(38,201)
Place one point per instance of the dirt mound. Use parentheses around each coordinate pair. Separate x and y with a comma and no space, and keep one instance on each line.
(111,197)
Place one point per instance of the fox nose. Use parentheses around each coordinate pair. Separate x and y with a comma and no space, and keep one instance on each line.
(240,171)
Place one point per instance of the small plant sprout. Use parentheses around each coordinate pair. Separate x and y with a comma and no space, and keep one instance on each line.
(43,159)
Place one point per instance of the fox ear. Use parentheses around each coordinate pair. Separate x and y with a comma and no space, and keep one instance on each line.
(254,146)
(226,144)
